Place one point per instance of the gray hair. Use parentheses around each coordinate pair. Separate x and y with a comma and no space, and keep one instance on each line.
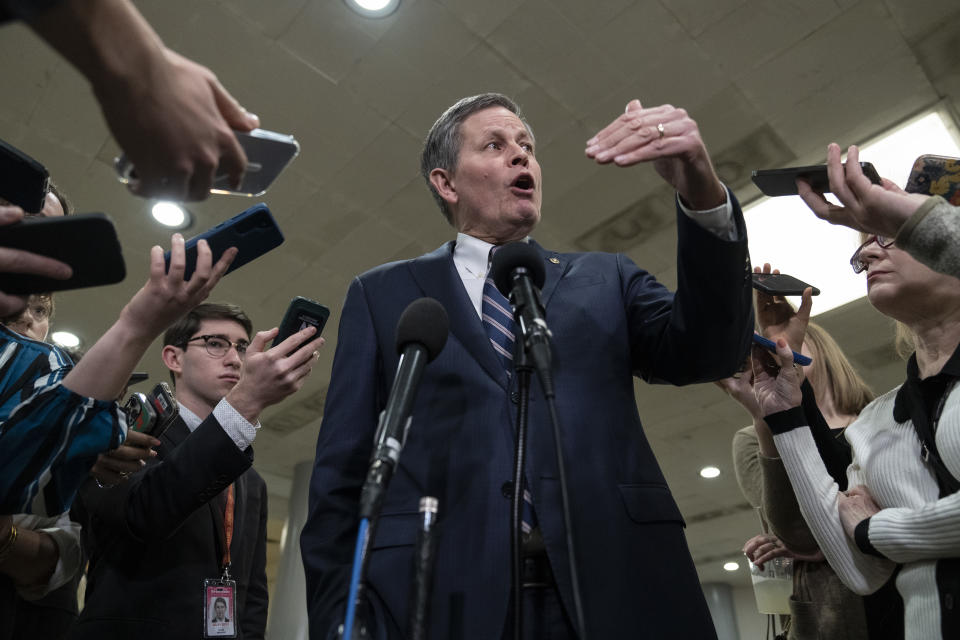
(441,149)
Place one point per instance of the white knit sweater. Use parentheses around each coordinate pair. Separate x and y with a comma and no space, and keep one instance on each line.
(913,528)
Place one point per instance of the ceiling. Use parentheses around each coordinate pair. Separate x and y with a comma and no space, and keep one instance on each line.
(769,82)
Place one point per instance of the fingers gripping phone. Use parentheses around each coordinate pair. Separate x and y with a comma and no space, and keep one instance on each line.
(302,313)
(88,243)
(253,232)
(783,182)
(780,284)
(268,154)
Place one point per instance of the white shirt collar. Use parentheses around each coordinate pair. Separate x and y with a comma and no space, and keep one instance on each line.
(191,419)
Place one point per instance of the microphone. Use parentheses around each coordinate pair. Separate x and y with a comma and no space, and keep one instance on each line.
(421,334)
(517,271)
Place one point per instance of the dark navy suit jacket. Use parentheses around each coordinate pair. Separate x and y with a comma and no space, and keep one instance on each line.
(610,321)
(152,541)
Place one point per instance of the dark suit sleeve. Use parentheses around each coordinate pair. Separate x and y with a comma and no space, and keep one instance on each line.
(24,9)
(156,501)
(254,622)
(703,331)
(343,450)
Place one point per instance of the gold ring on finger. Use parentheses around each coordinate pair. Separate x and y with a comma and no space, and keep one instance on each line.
(660,129)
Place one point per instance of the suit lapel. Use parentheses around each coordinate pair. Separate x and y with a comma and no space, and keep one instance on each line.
(174,437)
(437,276)
(556,267)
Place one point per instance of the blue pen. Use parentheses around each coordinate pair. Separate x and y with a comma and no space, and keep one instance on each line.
(771,346)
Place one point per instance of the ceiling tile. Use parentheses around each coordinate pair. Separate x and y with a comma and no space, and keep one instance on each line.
(757,31)
(695,15)
(482,17)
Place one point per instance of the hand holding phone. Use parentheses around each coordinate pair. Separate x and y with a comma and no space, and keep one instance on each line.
(268,153)
(783,182)
(780,284)
(253,232)
(865,206)
(302,313)
(87,243)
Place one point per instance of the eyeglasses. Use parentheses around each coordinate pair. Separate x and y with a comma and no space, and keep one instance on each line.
(859,266)
(218,346)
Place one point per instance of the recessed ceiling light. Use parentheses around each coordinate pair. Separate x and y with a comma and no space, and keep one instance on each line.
(65,339)
(373,8)
(730,566)
(709,472)
(171,214)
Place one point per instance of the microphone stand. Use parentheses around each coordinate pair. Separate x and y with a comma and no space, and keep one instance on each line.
(532,349)
(524,367)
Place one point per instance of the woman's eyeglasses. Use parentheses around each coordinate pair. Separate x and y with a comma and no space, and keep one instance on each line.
(859,266)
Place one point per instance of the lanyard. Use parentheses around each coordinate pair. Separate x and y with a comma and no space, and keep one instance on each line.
(228,529)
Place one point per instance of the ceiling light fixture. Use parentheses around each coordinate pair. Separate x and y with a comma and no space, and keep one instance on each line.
(171,214)
(65,339)
(730,566)
(709,472)
(373,8)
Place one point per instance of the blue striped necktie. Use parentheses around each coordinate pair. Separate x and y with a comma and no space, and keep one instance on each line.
(498,322)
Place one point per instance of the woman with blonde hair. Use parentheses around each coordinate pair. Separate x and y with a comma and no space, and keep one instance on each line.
(821,606)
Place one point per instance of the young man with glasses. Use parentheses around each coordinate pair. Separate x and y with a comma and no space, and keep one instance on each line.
(193,521)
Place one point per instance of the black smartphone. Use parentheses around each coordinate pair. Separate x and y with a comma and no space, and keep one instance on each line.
(268,153)
(165,406)
(780,284)
(88,243)
(937,176)
(783,182)
(23,181)
(253,232)
(301,314)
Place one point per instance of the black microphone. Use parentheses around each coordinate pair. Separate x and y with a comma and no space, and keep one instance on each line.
(421,334)
(518,272)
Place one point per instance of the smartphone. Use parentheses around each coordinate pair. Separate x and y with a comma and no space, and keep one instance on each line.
(88,243)
(253,232)
(780,284)
(302,313)
(23,181)
(165,406)
(936,176)
(268,154)
(782,182)
(771,346)
(140,413)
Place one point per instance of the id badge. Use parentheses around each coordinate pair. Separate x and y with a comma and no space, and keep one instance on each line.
(219,608)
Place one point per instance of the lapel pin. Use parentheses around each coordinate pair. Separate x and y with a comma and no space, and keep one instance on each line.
(555,260)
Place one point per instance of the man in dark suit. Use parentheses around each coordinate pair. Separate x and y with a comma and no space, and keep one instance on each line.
(197,512)
(610,321)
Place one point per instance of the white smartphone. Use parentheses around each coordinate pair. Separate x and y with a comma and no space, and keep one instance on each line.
(268,154)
